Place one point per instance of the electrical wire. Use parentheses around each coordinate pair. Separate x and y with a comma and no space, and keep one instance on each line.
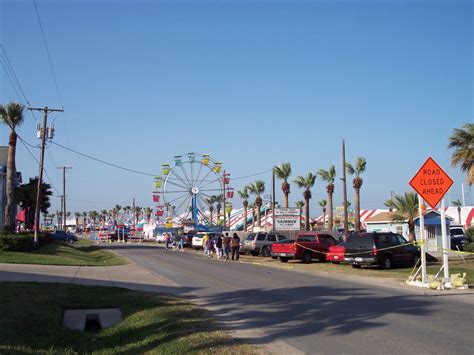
(47,52)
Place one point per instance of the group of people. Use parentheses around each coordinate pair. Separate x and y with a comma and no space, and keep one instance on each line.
(174,243)
(222,246)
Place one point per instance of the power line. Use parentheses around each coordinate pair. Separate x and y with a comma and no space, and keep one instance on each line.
(47,52)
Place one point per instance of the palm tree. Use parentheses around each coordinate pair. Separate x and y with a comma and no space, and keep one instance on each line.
(93,215)
(299,204)
(306,183)
(84,216)
(12,116)
(329,176)
(103,214)
(252,209)
(356,170)
(462,141)
(283,172)
(323,204)
(405,208)
(458,204)
(77,215)
(210,203)
(257,188)
(116,210)
(244,195)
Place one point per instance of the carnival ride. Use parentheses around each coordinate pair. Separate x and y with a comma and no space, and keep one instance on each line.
(183,190)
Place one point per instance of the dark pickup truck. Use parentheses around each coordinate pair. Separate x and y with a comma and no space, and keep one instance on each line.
(306,247)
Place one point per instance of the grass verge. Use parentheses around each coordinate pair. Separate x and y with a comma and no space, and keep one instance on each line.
(31,322)
(82,253)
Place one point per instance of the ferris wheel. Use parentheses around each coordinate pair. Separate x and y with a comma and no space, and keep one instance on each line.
(185,187)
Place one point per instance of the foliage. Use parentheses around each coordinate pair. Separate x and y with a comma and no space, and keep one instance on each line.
(358,169)
(470,234)
(462,143)
(244,193)
(25,195)
(328,175)
(283,171)
(306,182)
(257,188)
(12,114)
(405,208)
(22,242)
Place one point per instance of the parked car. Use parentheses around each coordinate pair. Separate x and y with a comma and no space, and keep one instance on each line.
(64,237)
(260,243)
(458,239)
(336,253)
(371,249)
(197,239)
(306,247)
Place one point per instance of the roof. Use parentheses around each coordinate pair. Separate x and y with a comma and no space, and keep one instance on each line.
(381,217)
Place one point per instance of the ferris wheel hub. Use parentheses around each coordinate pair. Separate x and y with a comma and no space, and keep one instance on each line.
(195,190)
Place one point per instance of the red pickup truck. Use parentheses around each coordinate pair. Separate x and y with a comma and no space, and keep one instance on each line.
(307,246)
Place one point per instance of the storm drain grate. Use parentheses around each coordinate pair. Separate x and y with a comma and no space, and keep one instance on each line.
(91,320)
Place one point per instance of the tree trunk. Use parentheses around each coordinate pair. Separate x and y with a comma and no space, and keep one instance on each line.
(9,216)
(411,231)
(253,218)
(330,222)
(285,200)
(357,210)
(324,219)
(306,214)
(245,218)
(258,203)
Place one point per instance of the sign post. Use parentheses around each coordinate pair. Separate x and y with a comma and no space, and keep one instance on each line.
(287,219)
(431,183)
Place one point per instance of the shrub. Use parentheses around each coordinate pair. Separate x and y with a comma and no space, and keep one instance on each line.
(22,241)
(469,247)
(470,234)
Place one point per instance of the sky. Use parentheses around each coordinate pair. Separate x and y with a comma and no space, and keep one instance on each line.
(252,83)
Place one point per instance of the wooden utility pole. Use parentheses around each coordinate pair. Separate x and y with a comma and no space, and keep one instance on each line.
(344,190)
(63,204)
(43,134)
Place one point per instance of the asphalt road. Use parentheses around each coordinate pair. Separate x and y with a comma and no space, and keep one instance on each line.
(293,312)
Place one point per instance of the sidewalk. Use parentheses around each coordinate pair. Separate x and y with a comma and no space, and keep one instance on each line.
(129,276)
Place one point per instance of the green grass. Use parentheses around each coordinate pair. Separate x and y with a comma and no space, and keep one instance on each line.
(31,322)
(82,253)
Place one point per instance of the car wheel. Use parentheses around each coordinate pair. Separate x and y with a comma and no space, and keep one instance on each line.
(284,260)
(386,263)
(265,252)
(307,257)
(356,266)
(70,241)
(254,253)
(274,257)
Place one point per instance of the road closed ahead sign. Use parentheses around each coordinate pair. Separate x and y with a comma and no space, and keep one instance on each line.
(431,182)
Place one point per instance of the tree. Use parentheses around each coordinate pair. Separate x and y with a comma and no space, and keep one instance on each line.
(462,141)
(323,204)
(77,215)
(25,196)
(84,216)
(93,216)
(357,170)
(458,204)
(257,188)
(116,210)
(329,176)
(306,183)
(210,203)
(103,214)
(299,204)
(244,195)
(405,208)
(283,172)
(12,115)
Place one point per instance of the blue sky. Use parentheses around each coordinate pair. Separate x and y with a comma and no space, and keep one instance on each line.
(252,83)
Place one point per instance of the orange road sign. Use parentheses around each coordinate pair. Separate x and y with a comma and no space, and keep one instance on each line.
(431,182)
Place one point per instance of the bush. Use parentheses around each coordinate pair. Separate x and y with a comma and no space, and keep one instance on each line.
(470,234)
(469,247)
(22,241)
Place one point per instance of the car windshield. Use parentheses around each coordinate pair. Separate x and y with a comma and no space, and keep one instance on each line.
(356,240)
(251,236)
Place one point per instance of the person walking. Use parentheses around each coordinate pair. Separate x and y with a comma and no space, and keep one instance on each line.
(204,244)
(226,245)
(181,244)
(210,247)
(167,240)
(218,242)
(235,247)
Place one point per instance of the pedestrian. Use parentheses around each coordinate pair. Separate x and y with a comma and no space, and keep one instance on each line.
(204,244)
(167,240)
(181,244)
(210,247)
(226,245)
(218,242)
(235,243)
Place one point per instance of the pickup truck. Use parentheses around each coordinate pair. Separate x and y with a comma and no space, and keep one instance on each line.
(306,247)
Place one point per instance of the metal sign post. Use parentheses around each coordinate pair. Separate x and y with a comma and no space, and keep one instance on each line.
(444,235)
(423,240)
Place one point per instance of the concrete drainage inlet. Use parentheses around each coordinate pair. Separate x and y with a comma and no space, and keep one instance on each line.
(91,320)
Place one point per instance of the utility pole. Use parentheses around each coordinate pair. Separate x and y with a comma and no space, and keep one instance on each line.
(60,222)
(43,131)
(63,203)
(273,199)
(344,190)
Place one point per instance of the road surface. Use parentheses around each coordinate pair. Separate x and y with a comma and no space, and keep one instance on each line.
(293,312)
